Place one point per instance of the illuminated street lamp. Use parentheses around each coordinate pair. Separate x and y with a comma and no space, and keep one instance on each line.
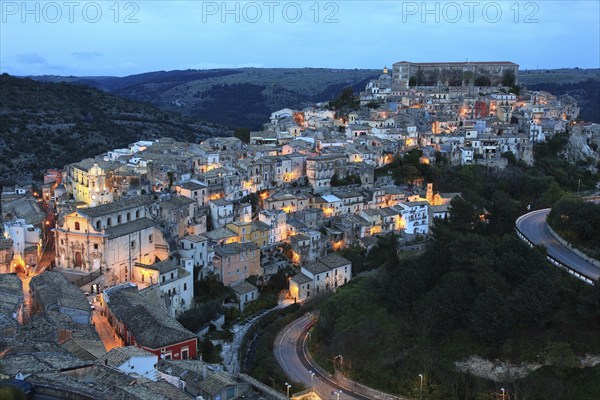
(337,393)
(341,360)
(421,387)
(503,392)
(288,386)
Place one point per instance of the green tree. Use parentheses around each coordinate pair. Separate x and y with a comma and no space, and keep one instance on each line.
(243,134)
(483,80)
(490,319)
(508,78)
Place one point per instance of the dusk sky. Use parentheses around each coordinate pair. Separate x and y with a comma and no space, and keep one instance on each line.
(123,38)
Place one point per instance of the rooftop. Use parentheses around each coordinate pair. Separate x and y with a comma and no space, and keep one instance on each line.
(301,279)
(119,355)
(53,289)
(216,382)
(221,202)
(129,227)
(235,248)
(152,327)
(162,267)
(11,284)
(176,202)
(334,260)
(195,238)
(243,288)
(110,208)
(221,233)
(190,185)
(316,267)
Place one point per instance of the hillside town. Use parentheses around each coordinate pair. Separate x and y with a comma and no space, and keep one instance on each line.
(100,261)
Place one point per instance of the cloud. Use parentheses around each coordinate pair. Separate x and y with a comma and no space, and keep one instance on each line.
(86,55)
(31,59)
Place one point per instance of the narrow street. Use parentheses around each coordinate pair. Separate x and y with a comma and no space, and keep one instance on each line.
(44,262)
(105,331)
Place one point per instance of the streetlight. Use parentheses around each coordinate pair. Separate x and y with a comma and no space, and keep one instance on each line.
(312,378)
(503,391)
(337,393)
(341,360)
(421,390)
(288,386)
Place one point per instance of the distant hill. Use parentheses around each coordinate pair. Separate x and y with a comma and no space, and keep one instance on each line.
(234,97)
(245,97)
(45,125)
(582,84)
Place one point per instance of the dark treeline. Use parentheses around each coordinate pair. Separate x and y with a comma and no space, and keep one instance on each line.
(578,222)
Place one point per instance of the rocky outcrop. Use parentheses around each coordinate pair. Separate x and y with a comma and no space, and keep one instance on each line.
(503,371)
(584,145)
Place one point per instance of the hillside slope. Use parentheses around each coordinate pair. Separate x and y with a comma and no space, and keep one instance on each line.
(235,97)
(46,125)
(245,97)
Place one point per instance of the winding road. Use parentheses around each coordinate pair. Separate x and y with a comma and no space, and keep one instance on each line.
(533,227)
(289,351)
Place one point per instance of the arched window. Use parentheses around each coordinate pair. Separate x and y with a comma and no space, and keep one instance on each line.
(119,219)
(109,222)
(128,216)
(98,227)
(77,226)
(137,214)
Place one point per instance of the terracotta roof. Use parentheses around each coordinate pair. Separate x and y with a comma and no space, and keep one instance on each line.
(152,327)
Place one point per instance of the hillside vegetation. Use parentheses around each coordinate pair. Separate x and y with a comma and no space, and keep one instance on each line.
(235,97)
(578,222)
(44,125)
